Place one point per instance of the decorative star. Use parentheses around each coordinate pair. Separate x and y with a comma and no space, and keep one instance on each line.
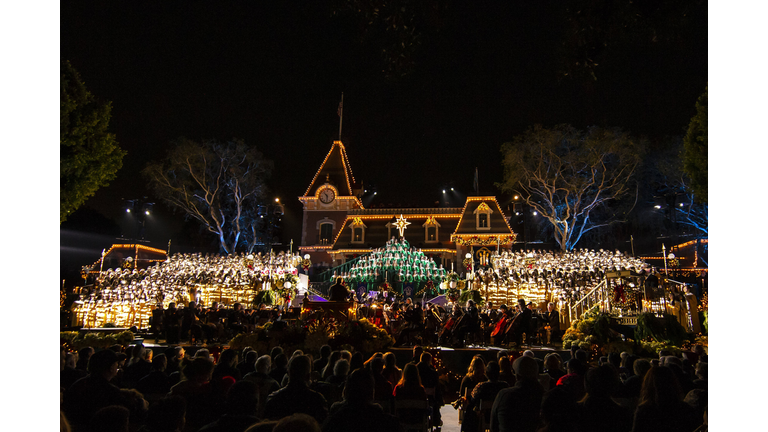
(401,225)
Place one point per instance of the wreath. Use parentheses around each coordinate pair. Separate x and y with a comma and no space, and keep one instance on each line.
(467,263)
(620,297)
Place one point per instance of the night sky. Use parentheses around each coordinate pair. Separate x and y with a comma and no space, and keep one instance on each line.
(476,76)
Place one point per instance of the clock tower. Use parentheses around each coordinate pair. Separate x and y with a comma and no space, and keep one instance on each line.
(327,201)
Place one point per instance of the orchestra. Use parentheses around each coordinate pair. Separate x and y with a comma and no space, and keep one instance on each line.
(456,325)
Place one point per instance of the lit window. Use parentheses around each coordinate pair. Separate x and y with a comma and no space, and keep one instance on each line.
(358,230)
(431,227)
(483,217)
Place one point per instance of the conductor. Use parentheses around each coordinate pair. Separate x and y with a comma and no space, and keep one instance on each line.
(338,291)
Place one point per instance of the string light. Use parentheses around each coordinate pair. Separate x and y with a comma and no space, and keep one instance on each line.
(345,164)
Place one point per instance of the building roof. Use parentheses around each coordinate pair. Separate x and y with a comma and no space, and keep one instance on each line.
(467,230)
(335,170)
(377,233)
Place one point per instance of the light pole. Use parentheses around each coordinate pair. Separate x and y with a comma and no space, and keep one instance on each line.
(140,209)
(270,216)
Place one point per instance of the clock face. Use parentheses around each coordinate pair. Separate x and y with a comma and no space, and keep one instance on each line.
(326,196)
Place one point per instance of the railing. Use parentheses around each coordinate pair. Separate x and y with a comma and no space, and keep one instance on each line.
(319,288)
(595,298)
(340,269)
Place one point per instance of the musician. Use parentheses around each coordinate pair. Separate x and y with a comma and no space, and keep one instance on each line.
(488,319)
(521,324)
(413,324)
(491,312)
(471,323)
(432,321)
(156,326)
(499,330)
(536,320)
(452,325)
(552,318)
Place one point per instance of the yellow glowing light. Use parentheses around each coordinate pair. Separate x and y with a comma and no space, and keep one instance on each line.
(483,207)
(401,225)
(345,163)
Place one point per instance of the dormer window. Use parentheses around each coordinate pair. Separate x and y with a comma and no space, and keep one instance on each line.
(431,227)
(358,230)
(483,217)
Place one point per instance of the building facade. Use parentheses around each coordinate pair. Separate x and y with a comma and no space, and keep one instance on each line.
(337,227)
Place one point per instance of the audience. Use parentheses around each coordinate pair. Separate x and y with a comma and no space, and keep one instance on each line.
(93,392)
(619,393)
(661,407)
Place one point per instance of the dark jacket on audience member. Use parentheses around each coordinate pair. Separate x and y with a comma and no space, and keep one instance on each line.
(88,395)
(230,423)
(296,398)
(360,415)
(602,414)
(517,408)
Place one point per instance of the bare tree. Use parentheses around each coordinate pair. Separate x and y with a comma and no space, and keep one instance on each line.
(672,187)
(217,183)
(577,180)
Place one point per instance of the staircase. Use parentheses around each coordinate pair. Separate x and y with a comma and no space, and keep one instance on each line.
(596,299)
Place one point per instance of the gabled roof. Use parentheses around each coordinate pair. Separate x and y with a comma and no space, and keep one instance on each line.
(377,234)
(336,170)
(467,230)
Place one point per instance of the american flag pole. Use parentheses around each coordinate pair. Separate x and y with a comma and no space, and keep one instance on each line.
(476,183)
(340,112)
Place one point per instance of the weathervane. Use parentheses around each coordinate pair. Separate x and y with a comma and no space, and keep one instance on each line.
(401,225)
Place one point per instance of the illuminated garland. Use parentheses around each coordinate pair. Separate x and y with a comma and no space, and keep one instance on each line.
(483,240)
(428,289)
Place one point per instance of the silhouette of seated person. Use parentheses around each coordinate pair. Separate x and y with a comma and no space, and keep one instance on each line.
(357,411)
(195,388)
(338,292)
(264,383)
(110,418)
(294,423)
(241,408)
(69,374)
(156,384)
(88,395)
(597,411)
(167,415)
(297,397)
(486,391)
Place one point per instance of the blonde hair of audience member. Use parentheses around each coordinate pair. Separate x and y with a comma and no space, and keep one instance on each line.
(410,377)
(476,368)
